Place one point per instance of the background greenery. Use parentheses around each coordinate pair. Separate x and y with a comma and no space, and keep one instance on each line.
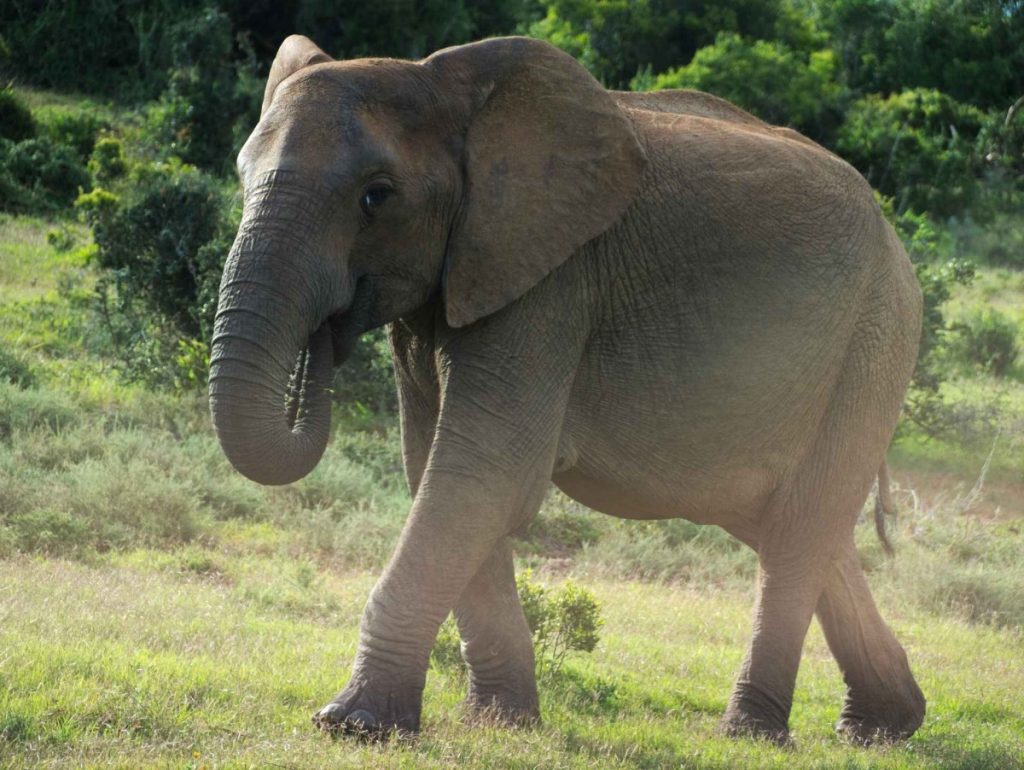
(155,607)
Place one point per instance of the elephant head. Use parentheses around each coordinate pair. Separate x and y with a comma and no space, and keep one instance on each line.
(370,187)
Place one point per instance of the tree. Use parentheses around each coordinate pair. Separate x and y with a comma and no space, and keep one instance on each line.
(769,79)
(917,146)
(615,39)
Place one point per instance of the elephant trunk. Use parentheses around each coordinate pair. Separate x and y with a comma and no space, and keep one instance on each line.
(271,357)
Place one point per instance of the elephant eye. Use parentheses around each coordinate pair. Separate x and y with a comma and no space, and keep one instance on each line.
(373,198)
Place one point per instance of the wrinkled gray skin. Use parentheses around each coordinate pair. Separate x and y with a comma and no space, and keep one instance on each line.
(657,301)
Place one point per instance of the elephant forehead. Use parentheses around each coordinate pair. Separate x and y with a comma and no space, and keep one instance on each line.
(336,120)
(362,84)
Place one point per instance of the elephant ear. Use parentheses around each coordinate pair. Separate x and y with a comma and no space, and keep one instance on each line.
(296,52)
(550,162)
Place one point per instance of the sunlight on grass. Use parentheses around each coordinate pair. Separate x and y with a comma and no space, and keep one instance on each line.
(154,661)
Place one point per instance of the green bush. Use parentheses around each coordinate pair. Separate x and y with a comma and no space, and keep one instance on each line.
(107,162)
(14,370)
(769,79)
(38,175)
(616,39)
(988,340)
(76,129)
(918,147)
(160,245)
(47,531)
(211,101)
(16,122)
(157,242)
(365,383)
(561,621)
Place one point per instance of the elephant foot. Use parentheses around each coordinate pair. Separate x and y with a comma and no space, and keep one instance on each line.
(370,714)
(865,723)
(500,706)
(755,713)
(738,724)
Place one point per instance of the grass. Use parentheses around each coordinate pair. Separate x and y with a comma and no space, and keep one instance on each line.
(135,661)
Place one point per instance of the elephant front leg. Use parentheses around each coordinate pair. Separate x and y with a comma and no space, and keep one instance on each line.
(453,529)
(497,644)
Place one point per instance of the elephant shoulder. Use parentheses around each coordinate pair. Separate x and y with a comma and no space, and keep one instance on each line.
(682,101)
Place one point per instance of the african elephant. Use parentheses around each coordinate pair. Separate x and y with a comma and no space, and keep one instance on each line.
(656,301)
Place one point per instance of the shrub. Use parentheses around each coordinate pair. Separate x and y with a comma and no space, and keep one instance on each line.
(916,146)
(925,406)
(769,79)
(16,122)
(38,175)
(48,531)
(210,101)
(987,339)
(76,129)
(15,370)
(561,621)
(162,245)
(447,651)
(365,383)
(107,162)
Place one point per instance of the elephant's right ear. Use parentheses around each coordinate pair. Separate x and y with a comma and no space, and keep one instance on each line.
(296,52)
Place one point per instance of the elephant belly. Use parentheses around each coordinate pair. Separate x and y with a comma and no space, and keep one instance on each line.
(707,438)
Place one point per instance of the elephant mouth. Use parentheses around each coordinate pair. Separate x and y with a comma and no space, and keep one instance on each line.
(347,325)
(344,328)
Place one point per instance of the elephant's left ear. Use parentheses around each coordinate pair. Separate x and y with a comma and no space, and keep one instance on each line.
(296,52)
(551,162)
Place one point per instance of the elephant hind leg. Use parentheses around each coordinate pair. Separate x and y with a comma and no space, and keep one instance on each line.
(497,644)
(883,701)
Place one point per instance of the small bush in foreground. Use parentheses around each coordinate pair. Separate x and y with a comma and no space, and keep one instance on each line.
(562,621)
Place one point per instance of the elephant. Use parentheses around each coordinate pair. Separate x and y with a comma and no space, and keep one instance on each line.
(656,302)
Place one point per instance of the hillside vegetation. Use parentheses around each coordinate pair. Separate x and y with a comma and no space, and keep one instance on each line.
(157,608)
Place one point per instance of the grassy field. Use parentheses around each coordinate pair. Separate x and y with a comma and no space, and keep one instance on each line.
(155,659)
(158,609)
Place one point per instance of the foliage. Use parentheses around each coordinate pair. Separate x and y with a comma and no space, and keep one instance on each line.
(156,241)
(108,160)
(161,245)
(365,383)
(776,83)
(16,121)
(916,146)
(74,128)
(937,277)
(616,39)
(15,370)
(210,102)
(111,47)
(987,339)
(562,621)
(969,49)
(38,175)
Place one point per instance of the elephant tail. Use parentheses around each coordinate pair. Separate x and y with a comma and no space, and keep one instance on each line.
(884,506)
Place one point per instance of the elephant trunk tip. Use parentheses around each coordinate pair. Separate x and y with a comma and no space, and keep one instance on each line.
(273,431)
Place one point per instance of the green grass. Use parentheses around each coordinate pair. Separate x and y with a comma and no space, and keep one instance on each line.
(219,661)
